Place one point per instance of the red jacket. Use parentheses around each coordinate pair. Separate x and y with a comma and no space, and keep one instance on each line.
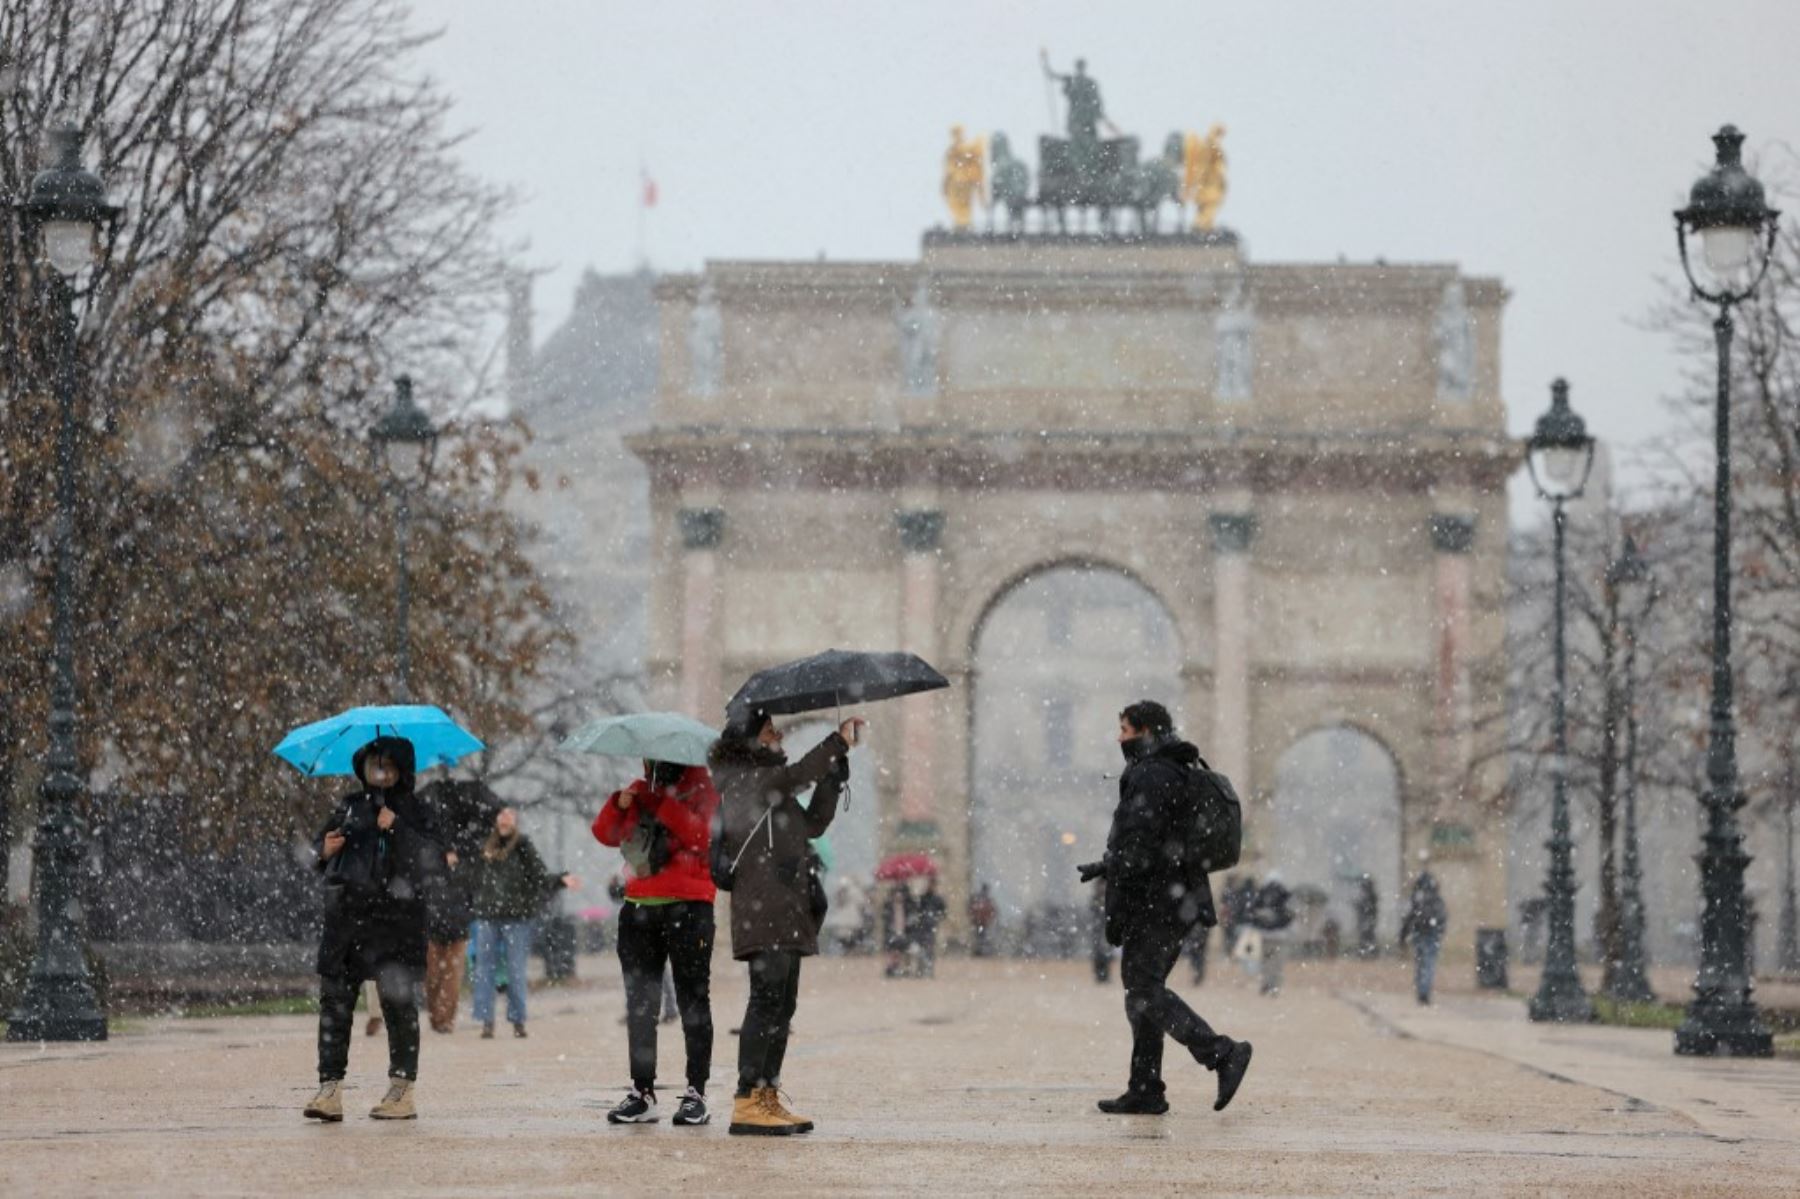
(686,809)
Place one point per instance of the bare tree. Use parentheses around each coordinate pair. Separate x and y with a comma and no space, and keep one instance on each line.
(297,230)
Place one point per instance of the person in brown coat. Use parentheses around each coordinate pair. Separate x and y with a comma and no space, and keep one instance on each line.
(761,842)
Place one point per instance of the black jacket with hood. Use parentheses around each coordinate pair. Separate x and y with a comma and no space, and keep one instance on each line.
(375,886)
(1147,878)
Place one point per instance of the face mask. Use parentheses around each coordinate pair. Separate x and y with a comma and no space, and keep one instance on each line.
(1135,748)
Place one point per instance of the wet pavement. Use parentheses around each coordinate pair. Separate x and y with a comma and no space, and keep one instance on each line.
(981,1079)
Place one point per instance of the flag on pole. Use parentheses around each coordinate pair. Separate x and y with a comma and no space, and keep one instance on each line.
(649,195)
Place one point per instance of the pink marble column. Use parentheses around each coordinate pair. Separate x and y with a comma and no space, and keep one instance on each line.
(1230,751)
(921,531)
(1452,537)
(701,531)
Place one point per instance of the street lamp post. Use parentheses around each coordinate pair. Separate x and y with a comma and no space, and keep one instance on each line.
(66,209)
(406,440)
(1560,455)
(1727,210)
(1628,976)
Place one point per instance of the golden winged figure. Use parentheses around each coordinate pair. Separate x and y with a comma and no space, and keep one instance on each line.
(1203,181)
(965,177)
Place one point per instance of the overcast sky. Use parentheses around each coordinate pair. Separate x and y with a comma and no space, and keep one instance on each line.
(1542,141)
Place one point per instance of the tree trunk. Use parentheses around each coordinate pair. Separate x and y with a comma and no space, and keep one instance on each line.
(1606,918)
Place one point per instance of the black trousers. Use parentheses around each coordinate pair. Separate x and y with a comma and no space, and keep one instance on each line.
(398,986)
(1150,951)
(774,992)
(679,936)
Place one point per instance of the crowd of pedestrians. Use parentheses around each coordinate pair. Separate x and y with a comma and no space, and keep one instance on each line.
(413,878)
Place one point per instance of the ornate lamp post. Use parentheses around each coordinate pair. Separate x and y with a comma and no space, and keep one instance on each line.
(1726,209)
(66,209)
(1628,579)
(1560,455)
(406,441)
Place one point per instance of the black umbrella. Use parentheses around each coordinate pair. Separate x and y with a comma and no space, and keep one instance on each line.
(832,679)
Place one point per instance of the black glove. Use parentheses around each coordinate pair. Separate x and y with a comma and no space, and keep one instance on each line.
(1091,871)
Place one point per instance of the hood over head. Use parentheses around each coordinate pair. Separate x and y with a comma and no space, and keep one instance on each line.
(743,751)
(399,749)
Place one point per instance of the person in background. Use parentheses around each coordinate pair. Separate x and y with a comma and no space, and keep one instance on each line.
(515,884)
(1195,948)
(377,852)
(464,809)
(897,924)
(984,915)
(1100,950)
(662,822)
(1272,912)
(1424,924)
(930,914)
(761,845)
(1368,910)
(848,916)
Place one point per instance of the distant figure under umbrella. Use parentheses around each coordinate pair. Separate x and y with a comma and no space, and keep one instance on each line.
(1424,924)
(1156,890)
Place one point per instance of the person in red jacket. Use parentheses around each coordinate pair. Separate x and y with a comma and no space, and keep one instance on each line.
(662,823)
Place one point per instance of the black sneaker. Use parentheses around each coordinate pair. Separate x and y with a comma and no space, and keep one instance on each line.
(1135,1103)
(519,1031)
(1231,1073)
(692,1110)
(638,1107)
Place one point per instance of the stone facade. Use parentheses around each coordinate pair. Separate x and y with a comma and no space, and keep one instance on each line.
(1274,451)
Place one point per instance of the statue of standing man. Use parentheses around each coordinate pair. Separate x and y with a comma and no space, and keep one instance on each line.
(1083,94)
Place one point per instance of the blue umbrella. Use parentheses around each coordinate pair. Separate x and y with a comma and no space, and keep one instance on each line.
(325,747)
(656,736)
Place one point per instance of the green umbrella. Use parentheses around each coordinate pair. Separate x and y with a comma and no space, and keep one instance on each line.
(656,736)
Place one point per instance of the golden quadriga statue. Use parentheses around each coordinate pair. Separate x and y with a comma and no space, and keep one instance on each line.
(965,177)
(1203,176)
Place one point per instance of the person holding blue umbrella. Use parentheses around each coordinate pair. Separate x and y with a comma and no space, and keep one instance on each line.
(378,853)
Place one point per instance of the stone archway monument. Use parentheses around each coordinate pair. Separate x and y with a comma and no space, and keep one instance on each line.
(1304,463)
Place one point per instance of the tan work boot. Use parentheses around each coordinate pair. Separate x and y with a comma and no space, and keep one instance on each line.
(328,1104)
(397,1104)
(772,1097)
(753,1116)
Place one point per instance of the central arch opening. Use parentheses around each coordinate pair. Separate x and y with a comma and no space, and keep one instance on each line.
(1055,659)
(1335,818)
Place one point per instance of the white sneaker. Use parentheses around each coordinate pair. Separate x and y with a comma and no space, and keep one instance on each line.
(638,1107)
(692,1109)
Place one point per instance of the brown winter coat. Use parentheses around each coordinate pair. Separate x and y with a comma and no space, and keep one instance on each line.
(770,895)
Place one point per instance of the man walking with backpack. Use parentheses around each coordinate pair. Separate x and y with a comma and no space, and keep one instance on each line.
(1176,820)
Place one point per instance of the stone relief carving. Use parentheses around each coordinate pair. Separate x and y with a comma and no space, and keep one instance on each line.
(706,344)
(1454,336)
(1234,360)
(919,329)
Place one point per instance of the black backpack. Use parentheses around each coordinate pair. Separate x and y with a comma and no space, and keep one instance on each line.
(1216,839)
(718,861)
